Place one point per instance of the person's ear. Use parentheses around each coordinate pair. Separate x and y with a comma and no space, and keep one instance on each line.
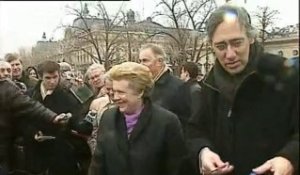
(188,74)
(160,59)
(141,94)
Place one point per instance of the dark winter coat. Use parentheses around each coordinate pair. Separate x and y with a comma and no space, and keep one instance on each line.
(28,81)
(189,100)
(165,93)
(68,154)
(15,107)
(155,147)
(260,123)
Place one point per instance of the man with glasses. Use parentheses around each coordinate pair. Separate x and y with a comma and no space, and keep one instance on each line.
(248,116)
(95,75)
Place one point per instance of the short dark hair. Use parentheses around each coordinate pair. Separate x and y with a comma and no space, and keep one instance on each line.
(48,67)
(11,57)
(191,68)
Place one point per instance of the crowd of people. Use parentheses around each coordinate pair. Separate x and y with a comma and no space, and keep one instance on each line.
(140,119)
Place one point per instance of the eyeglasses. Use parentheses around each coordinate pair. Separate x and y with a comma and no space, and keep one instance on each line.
(235,43)
(95,77)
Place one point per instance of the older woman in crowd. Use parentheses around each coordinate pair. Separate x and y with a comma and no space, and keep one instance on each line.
(137,137)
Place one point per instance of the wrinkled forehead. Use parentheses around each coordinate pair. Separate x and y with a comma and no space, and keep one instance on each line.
(17,61)
(148,54)
(96,72)
(229,31)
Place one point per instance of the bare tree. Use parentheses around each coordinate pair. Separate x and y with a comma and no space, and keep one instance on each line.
(135,35)
(128,36)
(26,56)
(266,18)
(187,22)
(80,34)
(97,35)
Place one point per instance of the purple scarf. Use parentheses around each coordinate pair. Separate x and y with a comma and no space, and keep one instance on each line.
(131,120)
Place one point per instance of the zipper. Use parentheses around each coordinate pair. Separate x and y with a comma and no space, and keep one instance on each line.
(229,114)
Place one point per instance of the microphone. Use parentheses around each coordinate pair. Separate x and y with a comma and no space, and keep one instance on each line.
(21,85)
(91,117)
(86,125)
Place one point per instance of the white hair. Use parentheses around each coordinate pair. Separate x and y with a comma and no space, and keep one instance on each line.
(94,67)
(4,63)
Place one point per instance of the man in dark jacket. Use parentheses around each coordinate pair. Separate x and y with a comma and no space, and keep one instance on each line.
(14,106)
(82,92)
(67,153)
(166,87)
(249,113)
(190,91)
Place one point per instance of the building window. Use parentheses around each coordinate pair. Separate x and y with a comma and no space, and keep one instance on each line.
(295,52)
(280,53)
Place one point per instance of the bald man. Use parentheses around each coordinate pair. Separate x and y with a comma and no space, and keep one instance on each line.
(5,70)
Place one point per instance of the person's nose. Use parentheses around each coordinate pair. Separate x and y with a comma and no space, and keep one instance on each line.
(6,73)
(52,81)
(230,53)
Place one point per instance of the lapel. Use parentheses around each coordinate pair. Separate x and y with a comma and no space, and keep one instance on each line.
(121,132)
(143,121)
(37,92)
(122,139)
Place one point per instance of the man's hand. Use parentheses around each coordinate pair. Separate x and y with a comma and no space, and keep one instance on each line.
(75,133)
(210,163)
(62,118)
(277,165)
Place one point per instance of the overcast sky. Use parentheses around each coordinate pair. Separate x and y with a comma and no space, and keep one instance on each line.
(23,23)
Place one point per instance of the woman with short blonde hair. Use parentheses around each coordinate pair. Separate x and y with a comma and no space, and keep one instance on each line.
(136,136)
(139,76)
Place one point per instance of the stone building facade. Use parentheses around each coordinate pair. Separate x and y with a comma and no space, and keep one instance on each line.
(45,50)
(284,41)
(76,49)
